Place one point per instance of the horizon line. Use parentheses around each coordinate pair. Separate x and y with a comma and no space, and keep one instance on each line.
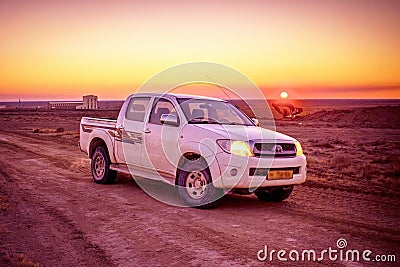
(283,99)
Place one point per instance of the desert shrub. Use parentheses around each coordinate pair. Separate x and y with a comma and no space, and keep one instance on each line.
(396,168)
(391,165)
(337,141)
(365,171)
(311,161)
(48,130)
(312,140)
(394,161)
(326,145)
(350,170)
(327,142)
(340,161)
(3,204)
(320,143)
(381,160)
(25,261)
(376,143)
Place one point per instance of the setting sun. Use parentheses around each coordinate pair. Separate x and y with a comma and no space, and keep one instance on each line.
(284,94)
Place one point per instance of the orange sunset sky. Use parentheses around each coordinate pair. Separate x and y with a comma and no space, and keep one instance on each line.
(311,49)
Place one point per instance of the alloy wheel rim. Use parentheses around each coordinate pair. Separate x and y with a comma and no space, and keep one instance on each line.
(196,184)
(99,166)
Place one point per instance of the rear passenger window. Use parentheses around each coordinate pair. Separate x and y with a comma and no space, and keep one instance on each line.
(137,108)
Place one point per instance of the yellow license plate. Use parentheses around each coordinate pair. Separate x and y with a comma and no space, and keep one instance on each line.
(278,175)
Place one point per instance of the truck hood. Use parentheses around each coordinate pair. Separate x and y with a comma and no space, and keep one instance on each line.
(243,133)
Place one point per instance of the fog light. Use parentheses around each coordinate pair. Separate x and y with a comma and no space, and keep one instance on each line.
(233,172)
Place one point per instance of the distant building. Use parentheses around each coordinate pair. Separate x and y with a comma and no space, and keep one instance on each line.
(64,104)
(89,102)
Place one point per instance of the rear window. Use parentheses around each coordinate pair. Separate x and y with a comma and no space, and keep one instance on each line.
(137,108)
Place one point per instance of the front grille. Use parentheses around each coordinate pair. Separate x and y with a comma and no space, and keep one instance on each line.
(274,150)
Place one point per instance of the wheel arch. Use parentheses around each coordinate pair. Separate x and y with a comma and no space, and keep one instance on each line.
(189,156)
(101,138)
(212,165)
(95,143)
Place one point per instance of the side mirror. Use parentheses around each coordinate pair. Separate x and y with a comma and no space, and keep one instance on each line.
(256,122)
(169,119)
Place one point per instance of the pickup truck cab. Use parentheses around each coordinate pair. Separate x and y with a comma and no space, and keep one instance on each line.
(203,146)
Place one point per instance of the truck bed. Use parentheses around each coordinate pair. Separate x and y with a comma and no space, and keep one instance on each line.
(98,123)
(88,125)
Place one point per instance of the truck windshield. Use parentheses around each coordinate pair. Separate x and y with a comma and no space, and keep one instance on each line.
(208,111)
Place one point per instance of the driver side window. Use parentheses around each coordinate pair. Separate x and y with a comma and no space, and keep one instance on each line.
(161,106)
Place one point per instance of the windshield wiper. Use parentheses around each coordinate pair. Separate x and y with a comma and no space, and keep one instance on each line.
(194,121)
(235,123)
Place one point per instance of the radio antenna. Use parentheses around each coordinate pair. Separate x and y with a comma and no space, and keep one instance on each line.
(220,87)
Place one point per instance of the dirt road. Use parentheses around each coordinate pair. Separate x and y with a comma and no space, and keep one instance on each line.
(53,214)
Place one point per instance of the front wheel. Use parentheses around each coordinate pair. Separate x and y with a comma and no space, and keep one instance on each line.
(195,186)
(274,194)
(101,167)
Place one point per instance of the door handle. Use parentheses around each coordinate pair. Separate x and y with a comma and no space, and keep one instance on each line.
(121,127)
(147,130)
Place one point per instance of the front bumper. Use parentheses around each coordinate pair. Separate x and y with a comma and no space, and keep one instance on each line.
(235,171)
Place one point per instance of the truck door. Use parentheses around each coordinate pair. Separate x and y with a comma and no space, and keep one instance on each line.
(161,151)
(131,142)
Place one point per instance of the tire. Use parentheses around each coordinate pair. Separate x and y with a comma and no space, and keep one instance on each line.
(274,194)
(100,166)
(195,185)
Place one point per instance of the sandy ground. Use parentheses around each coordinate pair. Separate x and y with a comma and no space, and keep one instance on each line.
(52,214)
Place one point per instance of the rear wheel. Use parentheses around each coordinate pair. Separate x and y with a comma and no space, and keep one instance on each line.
(101,167)
(274,194)
(195,185)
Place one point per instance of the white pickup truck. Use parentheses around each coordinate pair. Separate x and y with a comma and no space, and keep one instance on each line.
(204,146)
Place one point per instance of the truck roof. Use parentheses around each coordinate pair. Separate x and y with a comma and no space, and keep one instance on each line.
(176,96)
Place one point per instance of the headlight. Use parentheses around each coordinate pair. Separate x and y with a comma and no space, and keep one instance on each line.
(239,148)
(299,149)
